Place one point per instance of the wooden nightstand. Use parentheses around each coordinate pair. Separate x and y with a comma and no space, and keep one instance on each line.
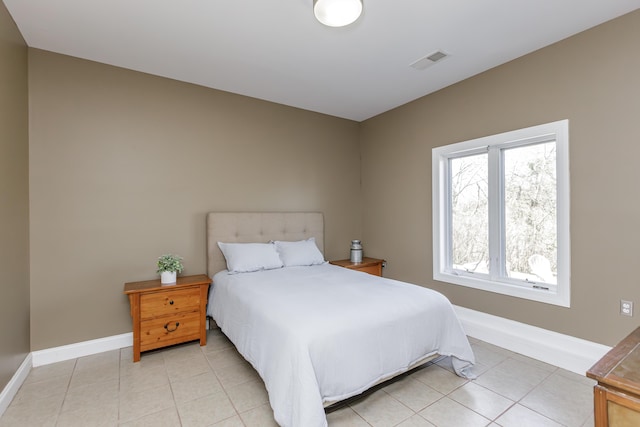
(165,315)
(368,265)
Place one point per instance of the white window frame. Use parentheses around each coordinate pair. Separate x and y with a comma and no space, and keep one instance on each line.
(559,294)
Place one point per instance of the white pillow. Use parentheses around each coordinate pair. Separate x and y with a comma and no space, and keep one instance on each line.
(303,252)
(247,257)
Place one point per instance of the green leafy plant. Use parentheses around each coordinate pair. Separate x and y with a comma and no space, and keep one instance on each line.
(170,262)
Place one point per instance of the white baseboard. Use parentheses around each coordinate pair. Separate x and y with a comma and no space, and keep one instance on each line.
(12,387)
(85,348)
(59,354)
(567,352)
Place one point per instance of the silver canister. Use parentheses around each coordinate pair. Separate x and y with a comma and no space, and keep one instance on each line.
(356,251)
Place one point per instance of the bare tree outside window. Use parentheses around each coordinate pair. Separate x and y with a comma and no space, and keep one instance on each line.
(530,212)
(470,213)
(529,218)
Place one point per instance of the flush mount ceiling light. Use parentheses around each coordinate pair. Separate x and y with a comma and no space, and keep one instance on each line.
(337,13)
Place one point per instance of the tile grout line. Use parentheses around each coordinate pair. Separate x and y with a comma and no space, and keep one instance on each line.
(66,392)
(224,389)
(173,395)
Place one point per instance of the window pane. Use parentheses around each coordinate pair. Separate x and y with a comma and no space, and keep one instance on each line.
(530,212)
(469,213)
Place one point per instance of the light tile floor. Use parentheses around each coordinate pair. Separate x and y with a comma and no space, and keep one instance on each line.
(189,385)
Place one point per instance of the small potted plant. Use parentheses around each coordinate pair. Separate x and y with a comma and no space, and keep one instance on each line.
(169,266)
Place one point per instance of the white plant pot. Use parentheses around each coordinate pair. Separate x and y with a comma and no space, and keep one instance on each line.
(168,277)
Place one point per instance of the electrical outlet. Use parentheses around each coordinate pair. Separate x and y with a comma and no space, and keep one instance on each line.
(626,308)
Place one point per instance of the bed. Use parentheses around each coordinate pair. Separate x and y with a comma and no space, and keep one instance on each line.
(318,333)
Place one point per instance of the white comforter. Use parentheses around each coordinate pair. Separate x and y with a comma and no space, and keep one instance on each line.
(324,333)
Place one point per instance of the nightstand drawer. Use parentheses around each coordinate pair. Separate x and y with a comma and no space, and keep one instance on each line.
(170,302)
(368,265)
(376,270)
(169,330)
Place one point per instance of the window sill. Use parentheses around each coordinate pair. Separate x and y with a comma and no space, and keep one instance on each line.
(550,296)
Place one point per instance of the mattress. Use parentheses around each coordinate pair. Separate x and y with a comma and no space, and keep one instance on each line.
(324,333)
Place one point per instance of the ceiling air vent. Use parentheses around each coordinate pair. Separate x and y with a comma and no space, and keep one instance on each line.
(429,60)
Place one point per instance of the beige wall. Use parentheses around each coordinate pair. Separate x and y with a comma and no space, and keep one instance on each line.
(593,80)
(14,199)
(124,167)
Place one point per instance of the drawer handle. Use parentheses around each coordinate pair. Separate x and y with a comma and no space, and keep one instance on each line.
(166,326)
(171,302)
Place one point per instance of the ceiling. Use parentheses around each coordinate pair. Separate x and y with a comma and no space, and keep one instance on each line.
(275,49)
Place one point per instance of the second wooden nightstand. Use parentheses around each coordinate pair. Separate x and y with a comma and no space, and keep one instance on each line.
(368,265)
(169,314)
(617,394)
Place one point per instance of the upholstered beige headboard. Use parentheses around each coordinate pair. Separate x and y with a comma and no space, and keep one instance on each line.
(258,227)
